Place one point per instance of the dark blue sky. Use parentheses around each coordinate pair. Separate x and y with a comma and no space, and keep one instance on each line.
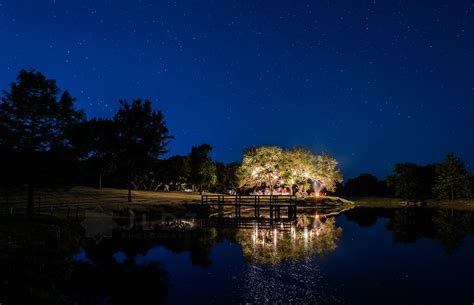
(370,82)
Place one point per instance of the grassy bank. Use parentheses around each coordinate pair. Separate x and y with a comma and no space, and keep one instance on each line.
(106,199)
(115,200)
(381,202)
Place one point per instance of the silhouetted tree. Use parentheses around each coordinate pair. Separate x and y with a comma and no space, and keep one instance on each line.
(202,169)
(227,175)
(96,140)
(365,185)
(174,170)
(142,137)
(34,117)
(452,179)
(412,181)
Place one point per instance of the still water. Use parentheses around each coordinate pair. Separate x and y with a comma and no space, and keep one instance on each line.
(363,256)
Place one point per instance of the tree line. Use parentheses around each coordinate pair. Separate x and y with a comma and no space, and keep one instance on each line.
(448,179)
(45,141)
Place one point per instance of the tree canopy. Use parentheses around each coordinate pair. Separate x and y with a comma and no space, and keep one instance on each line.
(272,166)
(452,179)
(202,169)
(142,137)
(34,119)
(34,115)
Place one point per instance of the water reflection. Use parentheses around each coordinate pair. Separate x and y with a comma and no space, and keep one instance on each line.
(448,227)
(270,261)
(309,236)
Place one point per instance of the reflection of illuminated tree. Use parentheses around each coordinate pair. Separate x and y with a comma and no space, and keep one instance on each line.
(303,240)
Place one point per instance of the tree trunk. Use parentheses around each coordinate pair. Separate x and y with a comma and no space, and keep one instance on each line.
(200,189)
(31,199)
(100,180)
(129,191)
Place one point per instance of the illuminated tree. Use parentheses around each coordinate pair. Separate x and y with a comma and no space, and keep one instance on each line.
(299,168)
(270,166)
(262,166)
(326,171)
(303,168)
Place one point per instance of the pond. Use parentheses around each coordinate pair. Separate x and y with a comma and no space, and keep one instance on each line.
(363,256)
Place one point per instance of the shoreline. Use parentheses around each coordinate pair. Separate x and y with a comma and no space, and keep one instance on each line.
(396,203)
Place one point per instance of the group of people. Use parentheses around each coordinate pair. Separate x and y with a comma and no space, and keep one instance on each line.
(277,191)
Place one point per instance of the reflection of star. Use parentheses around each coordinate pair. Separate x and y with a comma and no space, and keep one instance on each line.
(98,225)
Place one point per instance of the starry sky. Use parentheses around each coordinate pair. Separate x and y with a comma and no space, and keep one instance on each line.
(372,83)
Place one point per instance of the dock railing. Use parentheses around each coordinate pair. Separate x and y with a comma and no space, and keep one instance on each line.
(248,199)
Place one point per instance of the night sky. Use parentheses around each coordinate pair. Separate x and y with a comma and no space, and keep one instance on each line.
(372,83)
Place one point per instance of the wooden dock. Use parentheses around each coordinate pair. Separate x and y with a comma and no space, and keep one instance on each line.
(246,223)
(274,204)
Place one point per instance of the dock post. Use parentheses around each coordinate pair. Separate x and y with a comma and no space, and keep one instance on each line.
(255,207)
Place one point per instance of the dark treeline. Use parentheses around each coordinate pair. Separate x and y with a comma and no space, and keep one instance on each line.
(46,142)
(446,180)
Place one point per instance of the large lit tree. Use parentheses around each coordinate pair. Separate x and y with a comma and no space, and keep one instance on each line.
(262,166)
(303,168)
(300,168)
(34,118)
(271,166)
(326,172)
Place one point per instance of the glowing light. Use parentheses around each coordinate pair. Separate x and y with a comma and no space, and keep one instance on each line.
(275,237)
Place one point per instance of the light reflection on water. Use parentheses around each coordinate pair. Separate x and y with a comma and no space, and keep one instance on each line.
(313,260)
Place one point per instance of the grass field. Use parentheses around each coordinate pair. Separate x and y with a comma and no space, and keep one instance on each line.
(87,198)
(116,199)
(108,199)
